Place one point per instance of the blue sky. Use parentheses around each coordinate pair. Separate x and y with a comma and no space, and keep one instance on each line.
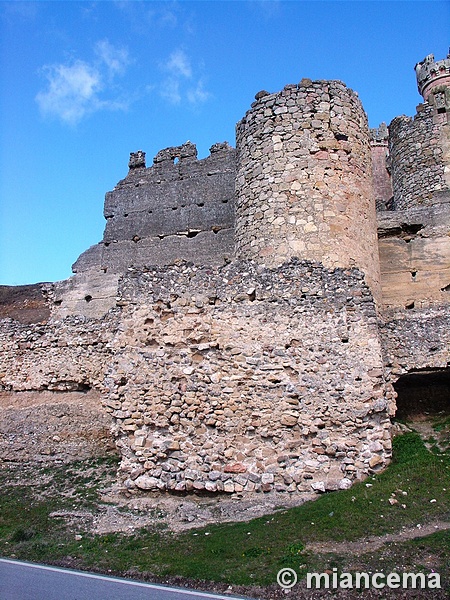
(83,84)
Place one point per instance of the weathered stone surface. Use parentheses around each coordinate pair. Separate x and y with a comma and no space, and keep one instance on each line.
(414,247)
(254,388)
(420,158)
(48,426)
(26,303)
(382,184)
(174,209)
(265,365)
(304,179)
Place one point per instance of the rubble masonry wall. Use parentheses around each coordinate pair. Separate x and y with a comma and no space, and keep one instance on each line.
(304,179)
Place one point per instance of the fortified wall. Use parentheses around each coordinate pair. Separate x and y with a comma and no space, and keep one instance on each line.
(180,207)
(239,327)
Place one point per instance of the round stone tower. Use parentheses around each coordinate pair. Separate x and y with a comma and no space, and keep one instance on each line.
(304,179)
(432,74)
(419,148)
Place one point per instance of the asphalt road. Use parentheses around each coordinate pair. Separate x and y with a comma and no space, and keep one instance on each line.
(28,581)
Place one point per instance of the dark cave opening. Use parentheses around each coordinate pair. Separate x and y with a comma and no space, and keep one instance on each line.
(423,393)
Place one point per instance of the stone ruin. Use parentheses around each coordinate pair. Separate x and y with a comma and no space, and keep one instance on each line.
(244,323)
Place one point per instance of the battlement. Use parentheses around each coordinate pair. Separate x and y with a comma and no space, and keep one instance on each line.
(305,181)
(379,136)
(431,73)
(178,208)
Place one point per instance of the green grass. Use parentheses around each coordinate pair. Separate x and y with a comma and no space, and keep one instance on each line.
(240,553)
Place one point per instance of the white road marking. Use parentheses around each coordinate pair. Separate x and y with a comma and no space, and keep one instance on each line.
(154,586)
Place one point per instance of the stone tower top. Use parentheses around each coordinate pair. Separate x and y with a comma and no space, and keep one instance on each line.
(431,73)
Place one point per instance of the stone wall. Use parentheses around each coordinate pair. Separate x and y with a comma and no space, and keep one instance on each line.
(414,249)
(420,158)
(51,384)
(246,378)
(230,379)
(179,208)
(304,179)
(416,340)
(382,183)
(44,426)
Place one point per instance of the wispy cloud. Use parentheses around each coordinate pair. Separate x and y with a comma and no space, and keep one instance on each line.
(141,15)
(181,82)
(26,10)
(170,90)
(179,64)
(116,59)
(198,94)
(267,9)
(77,89)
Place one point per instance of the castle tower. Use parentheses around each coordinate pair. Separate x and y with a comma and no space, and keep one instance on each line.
(379,143)
(432,74)
(304,179)
(419,148)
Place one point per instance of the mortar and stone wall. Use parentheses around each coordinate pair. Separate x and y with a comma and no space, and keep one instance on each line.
(416,341)
(419,151)
(179,208)
(304,179)
(51,388)
(246,378)
(239,378)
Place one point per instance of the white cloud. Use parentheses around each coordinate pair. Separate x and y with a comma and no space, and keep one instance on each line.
(182,82)
(198,95)
(72,91)
(116,59)
(179,64)
(170,90)
(77,89)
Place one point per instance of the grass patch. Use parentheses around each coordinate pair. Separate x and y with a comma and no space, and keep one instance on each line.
(415,489)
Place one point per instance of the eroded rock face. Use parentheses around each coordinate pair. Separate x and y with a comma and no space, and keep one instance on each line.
(26,303)
(44,426)
(414,248)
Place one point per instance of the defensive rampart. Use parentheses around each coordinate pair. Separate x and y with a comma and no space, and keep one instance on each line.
(246,378)
(179,208)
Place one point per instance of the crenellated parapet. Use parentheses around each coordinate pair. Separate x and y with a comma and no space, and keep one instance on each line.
(137,160)
(178,208)
(432,74)
(174,153)
(379,136)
